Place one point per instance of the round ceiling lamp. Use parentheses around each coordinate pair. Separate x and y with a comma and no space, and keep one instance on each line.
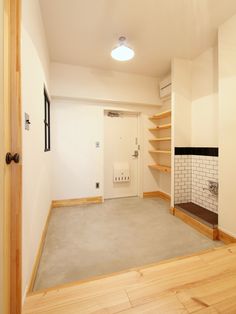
(122,52)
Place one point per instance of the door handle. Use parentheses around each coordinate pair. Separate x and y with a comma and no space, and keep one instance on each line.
(10,158)
(135,154)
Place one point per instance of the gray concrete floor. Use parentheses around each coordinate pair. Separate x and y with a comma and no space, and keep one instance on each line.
(91,240)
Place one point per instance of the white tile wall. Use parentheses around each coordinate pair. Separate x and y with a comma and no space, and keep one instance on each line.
(192,174)
(204,168)
(183,178)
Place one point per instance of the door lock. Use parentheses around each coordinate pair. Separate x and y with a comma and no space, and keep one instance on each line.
(135,153)
(10,158)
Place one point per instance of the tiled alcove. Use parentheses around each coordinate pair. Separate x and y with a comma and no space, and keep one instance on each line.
(192,175)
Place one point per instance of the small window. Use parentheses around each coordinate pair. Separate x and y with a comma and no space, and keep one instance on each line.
(47,144)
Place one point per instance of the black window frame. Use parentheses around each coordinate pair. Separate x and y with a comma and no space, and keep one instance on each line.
(47,125)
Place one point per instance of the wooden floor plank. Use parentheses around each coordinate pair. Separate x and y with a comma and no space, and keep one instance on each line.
(104,303)
(227,306)
(209,292)
(194,273)
(208,310)
(203,283)
(169,304)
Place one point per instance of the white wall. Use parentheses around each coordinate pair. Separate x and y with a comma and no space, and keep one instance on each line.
(77,163)
(195,99)
(94,84)
(81,93)
(227,126)
(180,111)
(33,23)
(204,116)
(181,101)
(195,102)
(36,163)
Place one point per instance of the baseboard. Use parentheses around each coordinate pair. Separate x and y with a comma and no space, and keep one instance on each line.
(211,233)
(159,194)
(172,211)
(39,252)
(77,201)
(60,203)
(225,237)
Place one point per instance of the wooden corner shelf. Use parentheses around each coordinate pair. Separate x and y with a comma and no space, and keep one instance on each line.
(159,167)
(162,115)
(160,139)
(160,151)
(161,127)
(156,140)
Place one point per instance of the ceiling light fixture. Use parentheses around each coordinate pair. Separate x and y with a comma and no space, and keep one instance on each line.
(122,52)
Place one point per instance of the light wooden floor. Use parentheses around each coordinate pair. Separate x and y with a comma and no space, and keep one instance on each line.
(202,283)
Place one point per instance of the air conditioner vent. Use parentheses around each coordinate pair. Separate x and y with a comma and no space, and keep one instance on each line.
(165,87)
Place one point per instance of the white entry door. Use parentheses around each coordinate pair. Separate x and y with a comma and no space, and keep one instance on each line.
(121,155)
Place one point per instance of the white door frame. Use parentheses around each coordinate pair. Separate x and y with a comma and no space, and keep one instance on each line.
(140,161)
(140,143)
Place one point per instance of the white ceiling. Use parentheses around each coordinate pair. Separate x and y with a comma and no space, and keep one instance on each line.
(83,32)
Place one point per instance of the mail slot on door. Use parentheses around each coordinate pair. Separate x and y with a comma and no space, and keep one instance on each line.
(121,172)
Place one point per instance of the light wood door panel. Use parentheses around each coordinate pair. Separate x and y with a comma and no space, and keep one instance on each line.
(1,158)
(12,173)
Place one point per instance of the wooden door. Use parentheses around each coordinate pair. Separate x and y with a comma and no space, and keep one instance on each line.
(1,157)
(12,172)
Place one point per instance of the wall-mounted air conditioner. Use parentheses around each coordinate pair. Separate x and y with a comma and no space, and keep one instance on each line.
(165,87)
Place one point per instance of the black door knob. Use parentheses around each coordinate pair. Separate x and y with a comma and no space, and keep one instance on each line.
(10,158)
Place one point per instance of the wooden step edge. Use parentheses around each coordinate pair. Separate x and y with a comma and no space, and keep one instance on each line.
(118,273)
(211,233)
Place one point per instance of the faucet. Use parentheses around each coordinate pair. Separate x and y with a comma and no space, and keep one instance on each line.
(212,187)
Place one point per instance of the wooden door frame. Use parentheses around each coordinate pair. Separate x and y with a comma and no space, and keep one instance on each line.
(13,144)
